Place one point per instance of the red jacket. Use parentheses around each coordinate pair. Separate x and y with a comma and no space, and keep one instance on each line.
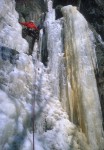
(29,25)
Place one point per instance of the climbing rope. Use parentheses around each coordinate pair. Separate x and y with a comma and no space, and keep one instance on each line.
(34,100)
(33,114)
(33,124)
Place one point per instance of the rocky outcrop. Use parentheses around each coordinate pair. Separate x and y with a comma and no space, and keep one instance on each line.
(92,13)
(100,2)
(9,54)
(30,10)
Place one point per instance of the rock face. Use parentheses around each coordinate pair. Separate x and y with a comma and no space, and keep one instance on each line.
(61,93)
(92,13)
(30,9)
(100,2)
(9,54)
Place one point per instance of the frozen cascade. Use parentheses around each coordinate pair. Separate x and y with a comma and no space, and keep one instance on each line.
(26,80)
(54,47)
(83,94)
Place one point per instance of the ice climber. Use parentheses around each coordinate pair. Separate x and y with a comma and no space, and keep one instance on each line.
(30,30)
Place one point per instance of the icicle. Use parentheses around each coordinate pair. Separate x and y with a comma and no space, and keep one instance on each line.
(49,5)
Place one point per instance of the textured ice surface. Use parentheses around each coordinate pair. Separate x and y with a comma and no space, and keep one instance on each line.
(28,81)
(81,63)
(10,29)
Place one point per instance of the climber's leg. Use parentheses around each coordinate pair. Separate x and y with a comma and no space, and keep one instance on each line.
(24,32)
(31,46)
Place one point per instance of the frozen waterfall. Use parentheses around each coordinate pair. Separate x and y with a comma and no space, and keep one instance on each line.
(81,62)
(63,93)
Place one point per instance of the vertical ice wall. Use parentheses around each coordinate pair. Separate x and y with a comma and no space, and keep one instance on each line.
(16,79)
(82,90)
(54,29)
(26,80)
(51,120)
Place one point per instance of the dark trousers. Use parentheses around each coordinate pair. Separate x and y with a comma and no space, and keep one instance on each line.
(34,34)
(30,32)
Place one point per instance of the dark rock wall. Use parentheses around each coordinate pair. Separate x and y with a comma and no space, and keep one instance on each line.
(94,15)
(9,54)
(30,9)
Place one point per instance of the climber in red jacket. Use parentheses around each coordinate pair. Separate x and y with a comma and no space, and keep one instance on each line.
(30,25)
(31,30)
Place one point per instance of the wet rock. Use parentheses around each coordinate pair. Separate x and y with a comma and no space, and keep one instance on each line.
(94,14)
(9,54)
